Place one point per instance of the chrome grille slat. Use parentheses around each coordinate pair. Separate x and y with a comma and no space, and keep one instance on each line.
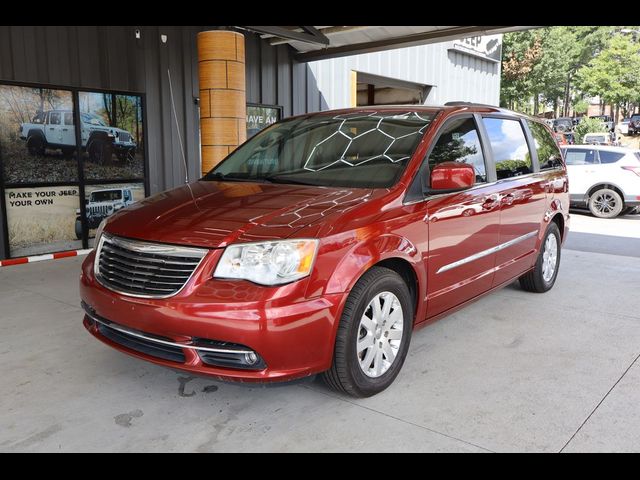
(108,248)
(112,266)
(105,272)
(144,269)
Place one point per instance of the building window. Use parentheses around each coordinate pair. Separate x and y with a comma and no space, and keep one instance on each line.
(48,208)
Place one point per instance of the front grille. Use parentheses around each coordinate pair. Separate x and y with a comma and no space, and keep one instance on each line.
(144,269)
(102,210)
(124,137)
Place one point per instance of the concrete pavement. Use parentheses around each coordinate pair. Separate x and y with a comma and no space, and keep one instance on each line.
(514,371)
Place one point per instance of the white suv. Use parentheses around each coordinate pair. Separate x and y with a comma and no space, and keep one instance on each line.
(604,179)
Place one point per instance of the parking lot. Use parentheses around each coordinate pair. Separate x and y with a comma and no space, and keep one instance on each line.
(515,371)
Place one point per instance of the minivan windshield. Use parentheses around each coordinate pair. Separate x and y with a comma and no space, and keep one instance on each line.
(360,149)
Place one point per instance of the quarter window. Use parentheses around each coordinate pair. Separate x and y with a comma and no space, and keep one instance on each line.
(609,157)
(459,142)
(547,149)
(509,145)
(580,157)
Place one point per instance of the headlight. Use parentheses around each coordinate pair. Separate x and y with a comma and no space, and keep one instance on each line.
(268,263)
(99,231)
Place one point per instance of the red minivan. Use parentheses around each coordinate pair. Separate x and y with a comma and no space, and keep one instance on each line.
(320,243)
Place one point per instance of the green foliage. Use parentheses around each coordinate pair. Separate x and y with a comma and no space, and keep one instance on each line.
(588,125)
(541,64)
(581,106)
(614,74)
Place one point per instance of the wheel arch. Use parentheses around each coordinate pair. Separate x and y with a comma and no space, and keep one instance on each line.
(601,185)
(391,251)
(34,132)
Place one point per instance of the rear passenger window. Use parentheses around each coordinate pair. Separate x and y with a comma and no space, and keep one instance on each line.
(581,156)
(549,155)
(609,157)
(509,145)
(459,142)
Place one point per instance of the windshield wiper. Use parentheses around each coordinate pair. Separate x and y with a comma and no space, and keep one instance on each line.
(231,177)
(284,178)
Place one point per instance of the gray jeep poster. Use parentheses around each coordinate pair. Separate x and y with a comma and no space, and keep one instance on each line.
(48,143)
(39,143)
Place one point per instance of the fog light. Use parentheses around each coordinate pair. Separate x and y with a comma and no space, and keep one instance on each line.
(250,358)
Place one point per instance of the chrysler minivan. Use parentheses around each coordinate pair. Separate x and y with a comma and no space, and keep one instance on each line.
(319,244)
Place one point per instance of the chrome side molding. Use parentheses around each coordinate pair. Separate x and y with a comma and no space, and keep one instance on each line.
(486,252)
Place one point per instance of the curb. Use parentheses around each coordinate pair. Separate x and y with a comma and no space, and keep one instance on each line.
(39,258)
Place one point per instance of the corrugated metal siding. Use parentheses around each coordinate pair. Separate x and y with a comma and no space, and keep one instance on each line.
(111,58)
(454,75)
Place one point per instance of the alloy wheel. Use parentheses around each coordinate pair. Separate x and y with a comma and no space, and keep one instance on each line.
(379,334)
(549,258)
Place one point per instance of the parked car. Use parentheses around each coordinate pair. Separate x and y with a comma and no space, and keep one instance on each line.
(54,129)
(634,124)
(623,127)
(101,204)
(604,179)
(563,124)
(318,244)
(600,138)
(607,120)
(566,138)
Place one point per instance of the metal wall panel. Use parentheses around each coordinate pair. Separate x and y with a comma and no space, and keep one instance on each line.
(110,57)
(454,75)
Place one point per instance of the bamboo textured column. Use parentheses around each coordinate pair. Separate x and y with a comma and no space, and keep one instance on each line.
(223,101)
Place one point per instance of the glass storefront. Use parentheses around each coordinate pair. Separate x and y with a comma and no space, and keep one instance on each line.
(68,159)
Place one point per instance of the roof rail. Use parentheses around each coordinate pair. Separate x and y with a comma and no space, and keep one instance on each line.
(462,104)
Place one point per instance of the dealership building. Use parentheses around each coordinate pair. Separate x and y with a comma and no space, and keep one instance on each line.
(93,119)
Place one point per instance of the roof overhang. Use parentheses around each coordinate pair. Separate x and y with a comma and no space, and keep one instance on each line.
(320,42)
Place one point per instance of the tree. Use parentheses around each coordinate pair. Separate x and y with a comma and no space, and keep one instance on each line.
(613,74)
(588,125)
(520,52)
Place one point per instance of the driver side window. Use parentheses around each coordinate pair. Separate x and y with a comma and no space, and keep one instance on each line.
(459,142)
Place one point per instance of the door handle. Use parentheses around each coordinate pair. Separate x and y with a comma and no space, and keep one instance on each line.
(65,129)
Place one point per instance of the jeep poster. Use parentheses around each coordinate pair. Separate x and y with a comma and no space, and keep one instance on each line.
(32,122)
(112,139)
(38,140)
(102,201)
(41,220)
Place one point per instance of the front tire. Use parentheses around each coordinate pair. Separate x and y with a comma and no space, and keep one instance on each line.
(606,203)
(543,276)
(373,335)
(78,229)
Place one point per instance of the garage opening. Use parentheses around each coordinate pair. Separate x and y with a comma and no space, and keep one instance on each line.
(378,90)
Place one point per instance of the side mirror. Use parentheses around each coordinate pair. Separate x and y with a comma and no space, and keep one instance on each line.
(452,176)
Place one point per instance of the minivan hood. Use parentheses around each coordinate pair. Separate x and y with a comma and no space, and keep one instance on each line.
(213,214)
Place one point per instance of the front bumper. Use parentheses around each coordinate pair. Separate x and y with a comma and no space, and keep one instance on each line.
(291,335)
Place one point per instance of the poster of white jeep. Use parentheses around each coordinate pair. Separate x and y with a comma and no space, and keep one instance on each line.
(102,201)
(38,142)
(55,130)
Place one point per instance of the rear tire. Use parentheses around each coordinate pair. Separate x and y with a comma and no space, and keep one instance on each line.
(606,203)
(543,276)
(35,145)
(381,334)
